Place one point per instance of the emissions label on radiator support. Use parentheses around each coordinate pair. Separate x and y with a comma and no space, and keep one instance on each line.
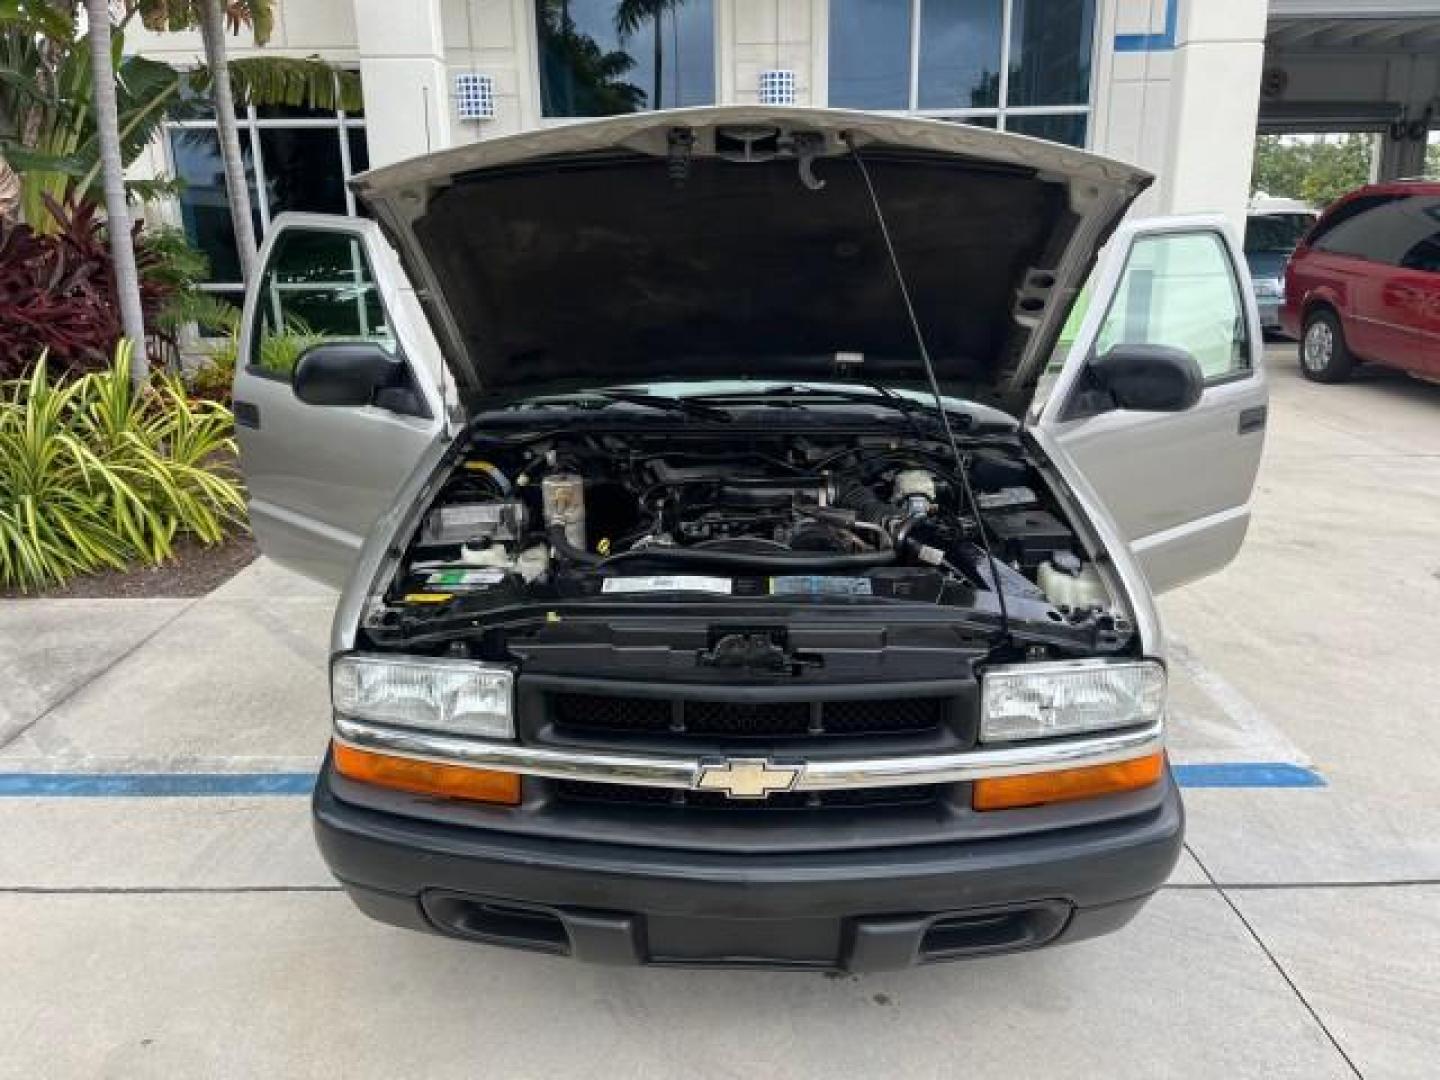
(668,583)
(819,585)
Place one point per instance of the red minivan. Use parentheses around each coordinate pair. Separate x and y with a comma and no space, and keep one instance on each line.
(1364,284)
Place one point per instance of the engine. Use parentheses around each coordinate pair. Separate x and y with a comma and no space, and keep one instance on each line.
(568,517)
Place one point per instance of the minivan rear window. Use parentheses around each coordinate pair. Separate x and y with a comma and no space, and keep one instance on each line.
(1345,230)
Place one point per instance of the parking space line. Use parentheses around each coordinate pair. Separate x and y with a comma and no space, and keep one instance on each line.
(111,785)
(1275,963)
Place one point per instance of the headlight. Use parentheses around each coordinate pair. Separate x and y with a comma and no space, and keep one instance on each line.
(460,697)
(1038,701)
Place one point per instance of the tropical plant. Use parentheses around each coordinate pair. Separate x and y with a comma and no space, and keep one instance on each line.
(57,289)
(47,127)
(96,472)
(214,377)
(280,350)
(173,273)
(106,107)
(47,130)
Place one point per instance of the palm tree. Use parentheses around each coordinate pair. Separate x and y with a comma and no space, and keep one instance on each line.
(630,15)
(112,171)
(211,16)
(212,32)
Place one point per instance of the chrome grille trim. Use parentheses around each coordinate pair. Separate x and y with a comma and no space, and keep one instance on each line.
(669,771)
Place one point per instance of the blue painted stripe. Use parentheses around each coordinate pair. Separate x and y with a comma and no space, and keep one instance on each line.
(1249,774)
(1161,42)
(123,785)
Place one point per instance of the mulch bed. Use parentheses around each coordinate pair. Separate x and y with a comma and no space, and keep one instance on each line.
(193,571)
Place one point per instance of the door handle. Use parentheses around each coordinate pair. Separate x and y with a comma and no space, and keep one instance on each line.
(247,414)
(1251,419)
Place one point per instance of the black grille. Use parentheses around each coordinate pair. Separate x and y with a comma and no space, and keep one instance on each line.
(586,713)
(851,799)
(891,716)
(768,718)
(603,712)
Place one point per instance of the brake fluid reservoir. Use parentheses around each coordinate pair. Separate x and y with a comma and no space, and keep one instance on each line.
(1077,590)
(563,498)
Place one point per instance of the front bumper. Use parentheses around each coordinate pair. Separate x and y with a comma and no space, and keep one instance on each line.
(865,910)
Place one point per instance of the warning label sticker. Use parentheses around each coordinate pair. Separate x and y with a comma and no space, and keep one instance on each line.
(668,583)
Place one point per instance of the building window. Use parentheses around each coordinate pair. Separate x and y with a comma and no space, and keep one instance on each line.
(301,159)
(1019,65)
(602,57)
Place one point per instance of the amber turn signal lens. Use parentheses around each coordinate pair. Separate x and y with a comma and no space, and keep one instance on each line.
(1063,785)
(426,777)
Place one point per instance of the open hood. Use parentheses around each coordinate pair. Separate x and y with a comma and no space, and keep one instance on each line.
(740,241)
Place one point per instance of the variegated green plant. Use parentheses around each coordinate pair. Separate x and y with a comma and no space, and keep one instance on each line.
(96,473)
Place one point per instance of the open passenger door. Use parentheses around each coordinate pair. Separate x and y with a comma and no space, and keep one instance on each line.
(319,476)
(1176,484)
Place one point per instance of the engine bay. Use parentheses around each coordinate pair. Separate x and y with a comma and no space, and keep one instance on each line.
(665,517)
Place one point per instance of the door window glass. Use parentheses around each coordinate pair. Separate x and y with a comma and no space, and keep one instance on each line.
(317,287)
(1179,289)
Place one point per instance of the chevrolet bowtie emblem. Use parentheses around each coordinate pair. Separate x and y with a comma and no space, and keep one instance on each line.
(747,778)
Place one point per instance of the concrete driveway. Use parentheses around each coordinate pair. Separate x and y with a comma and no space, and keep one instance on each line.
(152,925)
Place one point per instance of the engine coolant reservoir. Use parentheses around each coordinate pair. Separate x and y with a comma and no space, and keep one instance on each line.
(1072,585)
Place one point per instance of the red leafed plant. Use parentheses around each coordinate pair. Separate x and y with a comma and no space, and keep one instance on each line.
(57,292)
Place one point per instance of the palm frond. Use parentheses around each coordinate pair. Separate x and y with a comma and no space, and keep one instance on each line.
(307,82)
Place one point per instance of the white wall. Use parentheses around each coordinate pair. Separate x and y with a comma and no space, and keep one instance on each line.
(495,38)
(764,35)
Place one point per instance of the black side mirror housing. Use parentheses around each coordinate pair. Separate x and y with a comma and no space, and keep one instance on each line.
(350,374)
(1148,378)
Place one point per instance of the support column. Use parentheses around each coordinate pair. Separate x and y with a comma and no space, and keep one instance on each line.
(1183,78)
(402,66)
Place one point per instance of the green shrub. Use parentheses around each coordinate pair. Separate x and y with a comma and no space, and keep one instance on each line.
(213,378)
(95,473)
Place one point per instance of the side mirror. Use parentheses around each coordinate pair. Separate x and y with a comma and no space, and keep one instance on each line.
(1148,378)
(345,374)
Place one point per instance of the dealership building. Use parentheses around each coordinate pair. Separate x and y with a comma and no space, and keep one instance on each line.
(1176,86)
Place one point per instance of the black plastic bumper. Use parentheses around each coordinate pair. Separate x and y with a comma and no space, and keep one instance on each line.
(869,911)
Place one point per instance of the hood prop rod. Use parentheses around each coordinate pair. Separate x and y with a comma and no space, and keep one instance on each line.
(960,464)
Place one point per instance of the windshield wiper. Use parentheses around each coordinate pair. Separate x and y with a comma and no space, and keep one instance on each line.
(883,397)
(683,406)
(667,404)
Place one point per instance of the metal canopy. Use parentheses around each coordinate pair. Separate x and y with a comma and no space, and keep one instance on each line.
(1352,34)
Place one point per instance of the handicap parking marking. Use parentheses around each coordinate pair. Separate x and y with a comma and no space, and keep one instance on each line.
(1245,774)
(153,785)
(122,785)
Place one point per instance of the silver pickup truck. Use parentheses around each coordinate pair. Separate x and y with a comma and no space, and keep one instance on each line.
(746,523)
